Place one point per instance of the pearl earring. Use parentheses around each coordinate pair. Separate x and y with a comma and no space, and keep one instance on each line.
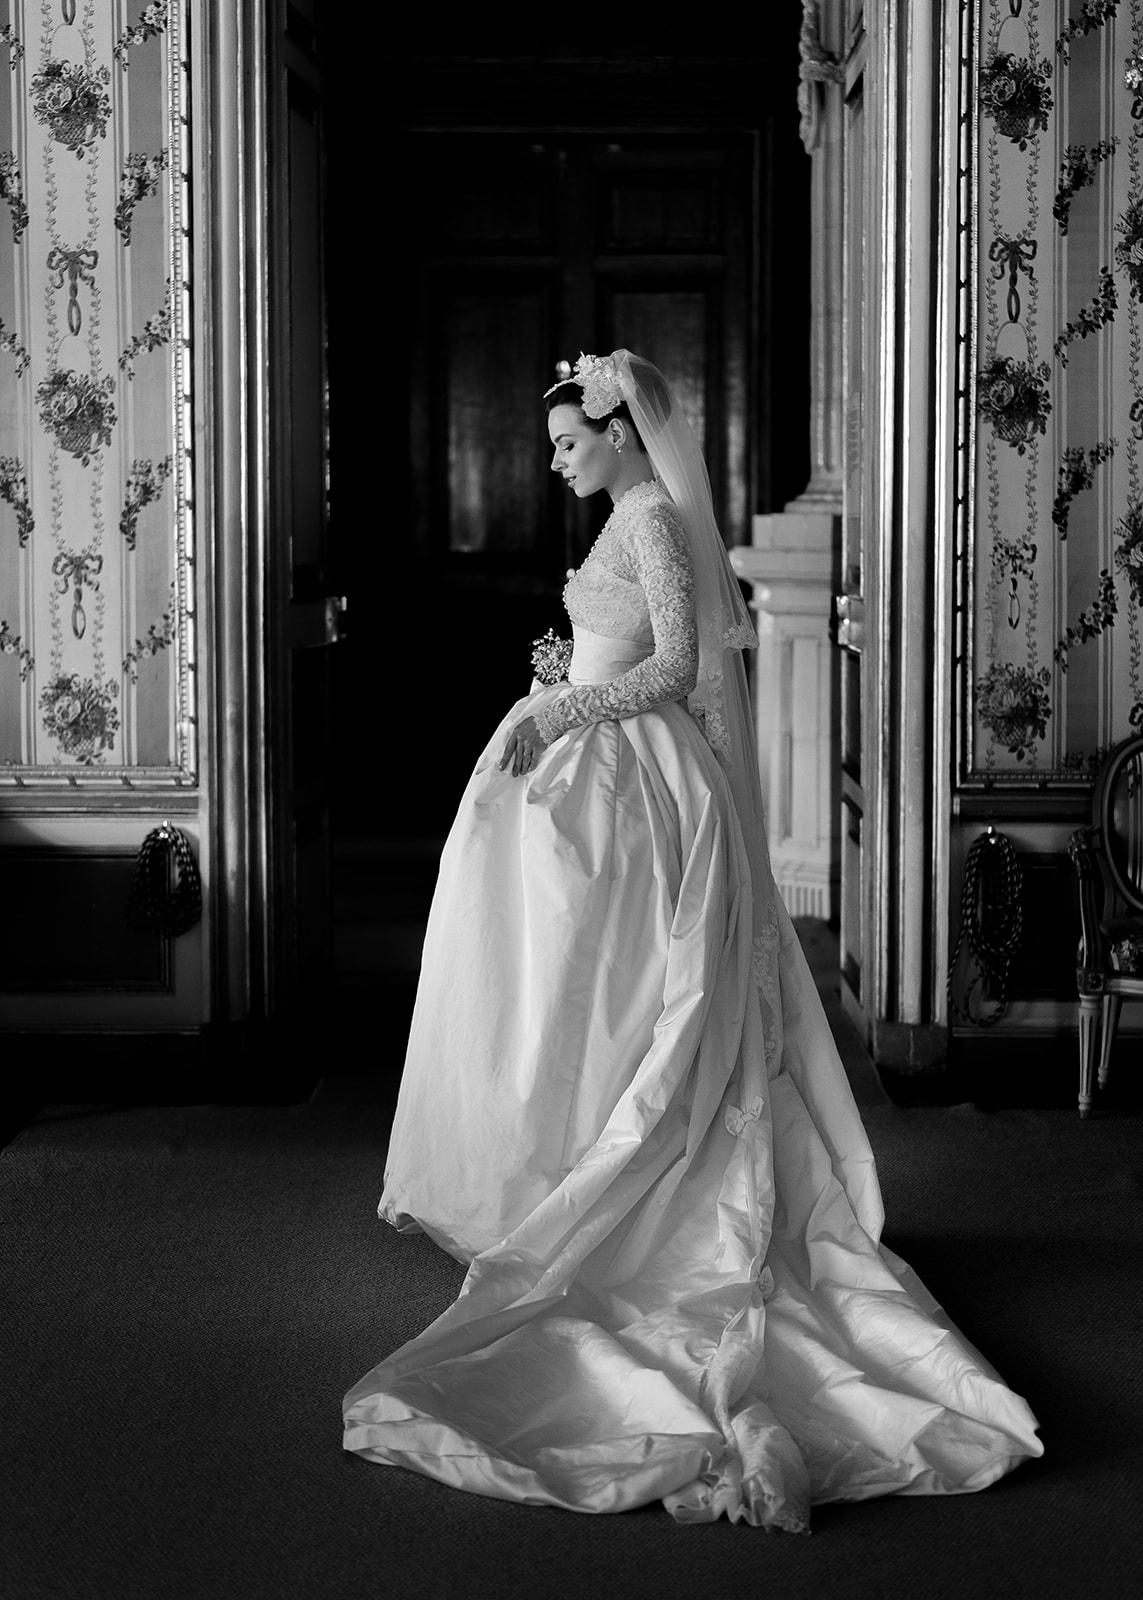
(618,447)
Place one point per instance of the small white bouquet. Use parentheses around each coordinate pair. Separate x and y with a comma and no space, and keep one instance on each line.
(551,658)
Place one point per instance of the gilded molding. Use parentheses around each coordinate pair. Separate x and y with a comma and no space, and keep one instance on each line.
(1049,647)
(96,443)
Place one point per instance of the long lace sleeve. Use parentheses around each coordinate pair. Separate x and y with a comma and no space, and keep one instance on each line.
(662,566)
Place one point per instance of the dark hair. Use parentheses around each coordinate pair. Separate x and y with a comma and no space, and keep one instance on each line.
(570,394)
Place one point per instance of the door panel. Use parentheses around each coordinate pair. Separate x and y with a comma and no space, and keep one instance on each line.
(523,251)
(662,209)
(488,212)
(496,499)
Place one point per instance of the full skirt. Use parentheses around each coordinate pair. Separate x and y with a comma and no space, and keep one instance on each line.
(623,1107)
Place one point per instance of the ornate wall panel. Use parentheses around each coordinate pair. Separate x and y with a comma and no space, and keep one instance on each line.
(1052,569)
(96,558)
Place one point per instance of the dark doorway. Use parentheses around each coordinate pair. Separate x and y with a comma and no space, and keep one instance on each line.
(506,202)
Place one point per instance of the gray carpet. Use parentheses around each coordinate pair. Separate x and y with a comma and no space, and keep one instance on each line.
(189,1290)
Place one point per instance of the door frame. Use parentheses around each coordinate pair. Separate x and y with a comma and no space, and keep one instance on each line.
(234,473)
(908,512)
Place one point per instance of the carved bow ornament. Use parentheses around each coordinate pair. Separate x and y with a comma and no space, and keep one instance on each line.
(74,265)
(1012,256)
(77,570)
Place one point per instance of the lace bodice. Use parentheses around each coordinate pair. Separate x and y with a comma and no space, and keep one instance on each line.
(636,583)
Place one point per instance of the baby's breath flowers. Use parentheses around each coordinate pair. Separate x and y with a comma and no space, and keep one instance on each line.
(551,658)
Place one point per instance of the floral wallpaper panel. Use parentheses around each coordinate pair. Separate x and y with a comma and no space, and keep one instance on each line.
(1057,568)
(95,574)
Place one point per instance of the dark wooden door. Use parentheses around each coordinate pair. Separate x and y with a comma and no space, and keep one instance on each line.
(523,249)
(303,613)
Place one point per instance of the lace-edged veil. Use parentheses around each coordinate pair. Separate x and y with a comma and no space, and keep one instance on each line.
(720,699)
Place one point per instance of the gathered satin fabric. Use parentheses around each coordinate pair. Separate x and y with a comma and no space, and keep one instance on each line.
(598,658)
(676,1286)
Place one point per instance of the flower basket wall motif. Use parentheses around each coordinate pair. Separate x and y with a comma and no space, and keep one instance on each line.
(1012,702)
(1013,396)
(71,99)
(1014,92)
(77,409)
(80,715)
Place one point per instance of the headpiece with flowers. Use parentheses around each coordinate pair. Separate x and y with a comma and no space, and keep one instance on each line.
(599,379)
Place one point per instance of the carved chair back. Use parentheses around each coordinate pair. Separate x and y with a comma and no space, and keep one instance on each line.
(1117,814)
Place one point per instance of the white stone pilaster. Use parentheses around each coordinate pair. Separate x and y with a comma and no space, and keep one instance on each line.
(791,566)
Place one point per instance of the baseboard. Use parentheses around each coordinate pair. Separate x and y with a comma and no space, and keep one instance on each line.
(234,1063)
(909,1047)
(1024,1070)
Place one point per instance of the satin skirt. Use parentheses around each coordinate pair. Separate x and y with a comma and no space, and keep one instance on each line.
(676,1288)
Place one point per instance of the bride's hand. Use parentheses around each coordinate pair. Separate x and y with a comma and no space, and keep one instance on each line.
(524,748)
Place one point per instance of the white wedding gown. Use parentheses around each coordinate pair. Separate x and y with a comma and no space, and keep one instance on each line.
(622,1104)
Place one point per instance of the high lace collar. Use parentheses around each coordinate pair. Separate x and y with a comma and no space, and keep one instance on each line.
(630,498)
(638,489)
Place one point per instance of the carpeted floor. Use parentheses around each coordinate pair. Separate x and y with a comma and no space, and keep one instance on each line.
(189,1290)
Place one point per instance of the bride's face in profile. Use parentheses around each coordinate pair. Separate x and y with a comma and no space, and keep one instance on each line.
(587,461)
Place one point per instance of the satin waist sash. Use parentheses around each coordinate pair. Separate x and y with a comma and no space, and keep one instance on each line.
(597,658)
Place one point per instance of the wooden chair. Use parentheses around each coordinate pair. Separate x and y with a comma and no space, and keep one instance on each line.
(1108,858)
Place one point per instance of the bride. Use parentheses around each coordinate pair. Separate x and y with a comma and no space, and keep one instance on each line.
(622,1104)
